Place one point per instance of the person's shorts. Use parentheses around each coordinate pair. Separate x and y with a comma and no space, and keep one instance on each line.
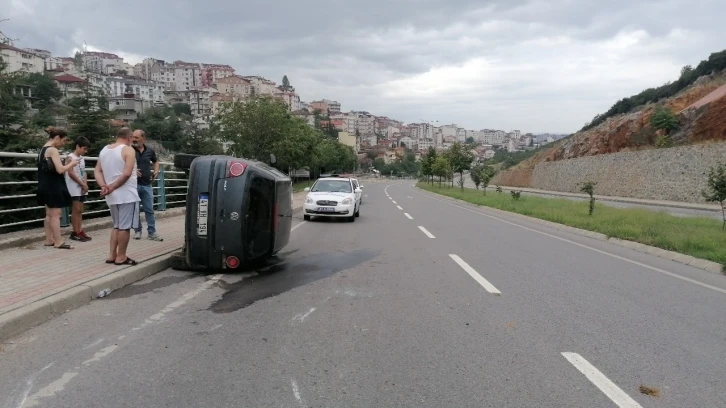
(81,199)
(125,216)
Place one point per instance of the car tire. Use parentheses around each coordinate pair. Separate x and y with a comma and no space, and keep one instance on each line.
(306,217)
(351,218)
(178,261)
(357,213)
(184,161)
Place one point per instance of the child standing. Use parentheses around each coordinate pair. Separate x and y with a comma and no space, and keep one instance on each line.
(77,184)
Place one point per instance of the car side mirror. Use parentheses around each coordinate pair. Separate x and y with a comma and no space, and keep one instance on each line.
(361,187)
(306,189)
(358,190)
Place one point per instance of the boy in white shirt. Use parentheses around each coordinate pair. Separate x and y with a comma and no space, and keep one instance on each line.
(77,184)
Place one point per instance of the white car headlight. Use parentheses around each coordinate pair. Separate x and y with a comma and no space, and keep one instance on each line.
(308,200)
(347,201)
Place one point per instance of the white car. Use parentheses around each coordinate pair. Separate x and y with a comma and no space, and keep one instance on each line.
(333,197)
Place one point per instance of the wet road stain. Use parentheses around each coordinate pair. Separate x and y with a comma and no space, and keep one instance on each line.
(134,290)
(276,279)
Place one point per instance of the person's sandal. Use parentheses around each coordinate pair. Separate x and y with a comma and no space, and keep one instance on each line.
(128,261)
(64,246)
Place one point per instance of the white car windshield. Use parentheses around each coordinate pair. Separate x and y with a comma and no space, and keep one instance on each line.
(332,186)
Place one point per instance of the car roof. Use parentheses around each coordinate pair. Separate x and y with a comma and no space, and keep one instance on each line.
(333,178)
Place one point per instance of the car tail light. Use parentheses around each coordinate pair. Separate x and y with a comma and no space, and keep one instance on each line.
(232,262)
(236,169)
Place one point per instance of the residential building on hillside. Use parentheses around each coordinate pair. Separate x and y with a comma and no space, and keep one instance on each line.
(21,60)
(408,143)
(291,99)
(261,86)
(143,69)
(200,101)
(69,85)
(425,144)
(349,140)
(50,63)
(462,134)
(127,108)
(147,90)
(187,75)
(102,62)
(333,106)
(111,85)
(366,124)
(325,105)
(235,85)
(305,115)
(211,73)
(217,102)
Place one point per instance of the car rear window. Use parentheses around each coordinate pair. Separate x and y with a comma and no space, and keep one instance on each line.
(332,186)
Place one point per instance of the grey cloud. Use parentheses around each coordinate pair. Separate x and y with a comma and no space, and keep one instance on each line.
(357,51)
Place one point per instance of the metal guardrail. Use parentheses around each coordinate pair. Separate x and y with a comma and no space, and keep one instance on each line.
(165,195)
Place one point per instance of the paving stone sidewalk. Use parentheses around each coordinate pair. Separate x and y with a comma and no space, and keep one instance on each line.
(34,272)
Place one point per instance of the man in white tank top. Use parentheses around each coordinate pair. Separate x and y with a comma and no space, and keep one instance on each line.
(115,173)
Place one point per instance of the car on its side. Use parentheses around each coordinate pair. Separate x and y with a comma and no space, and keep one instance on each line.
(238,212)
(334,197)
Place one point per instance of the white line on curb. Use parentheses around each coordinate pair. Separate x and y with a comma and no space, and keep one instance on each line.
(408,216)
(474,274)
(425,231)
(618,396)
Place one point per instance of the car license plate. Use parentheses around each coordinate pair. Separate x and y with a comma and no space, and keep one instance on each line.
(326,209)
(202,212)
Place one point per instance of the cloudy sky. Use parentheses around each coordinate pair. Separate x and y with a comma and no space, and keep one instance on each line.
(537,66)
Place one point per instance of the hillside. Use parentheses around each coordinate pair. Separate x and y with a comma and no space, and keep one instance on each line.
(701,114)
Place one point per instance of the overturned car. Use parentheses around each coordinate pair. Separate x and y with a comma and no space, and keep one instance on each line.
(238,212)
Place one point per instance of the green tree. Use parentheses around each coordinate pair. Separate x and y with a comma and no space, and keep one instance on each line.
(427,167)
(13,106)
(460,158)
(488,173)
(664,119)
(286,83)
(181,109)
(199,141)
(163,125)
(297,150)
(475,174)
(441,168)
(470,140)
(715,191)
(256,126)
(89,116)
(588,187)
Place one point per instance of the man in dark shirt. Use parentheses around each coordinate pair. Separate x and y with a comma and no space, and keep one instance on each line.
(145,160)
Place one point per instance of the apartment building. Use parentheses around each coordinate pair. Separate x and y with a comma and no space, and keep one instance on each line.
(326,105)
(218,101)
(235,85)
(102,62)
(127,108)
(21,60)
(261,86)
(187,75)
(211,73)
(291,99)
(146,90)
(69,85)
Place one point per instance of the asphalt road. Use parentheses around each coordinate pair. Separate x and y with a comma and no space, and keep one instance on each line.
(676,211)
(431,305)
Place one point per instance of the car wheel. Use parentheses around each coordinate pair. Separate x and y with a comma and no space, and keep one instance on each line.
(178,261)
(351,218)
(306,217)
(357,213)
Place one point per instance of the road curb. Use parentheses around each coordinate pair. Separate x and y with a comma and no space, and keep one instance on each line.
(26,317)
(91,225)
(703,264)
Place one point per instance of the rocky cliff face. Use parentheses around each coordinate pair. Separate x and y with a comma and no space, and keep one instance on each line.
(701,110)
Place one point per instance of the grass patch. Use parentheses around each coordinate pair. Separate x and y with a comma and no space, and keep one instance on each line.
(301,185)
(699,237)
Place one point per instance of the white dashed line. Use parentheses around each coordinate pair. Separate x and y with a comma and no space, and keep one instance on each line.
(394,202)
(297,226)
(399,207)
(408,216)
(474,274)
(425,231)
(618,396)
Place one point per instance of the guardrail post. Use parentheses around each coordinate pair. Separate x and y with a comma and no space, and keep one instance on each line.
(65,217)
(162,190)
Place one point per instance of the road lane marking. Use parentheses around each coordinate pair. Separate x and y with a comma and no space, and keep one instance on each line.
(296,393)
(618,396)
(425,231)
(394,202)
(399,207)
(296,227)
(59,385)
(301,317)
(408,216)
(652,268)
(474,274)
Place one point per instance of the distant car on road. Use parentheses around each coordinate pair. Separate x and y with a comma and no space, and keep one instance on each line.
(335,197)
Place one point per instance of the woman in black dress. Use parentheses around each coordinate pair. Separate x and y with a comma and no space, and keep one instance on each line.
(52,190)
